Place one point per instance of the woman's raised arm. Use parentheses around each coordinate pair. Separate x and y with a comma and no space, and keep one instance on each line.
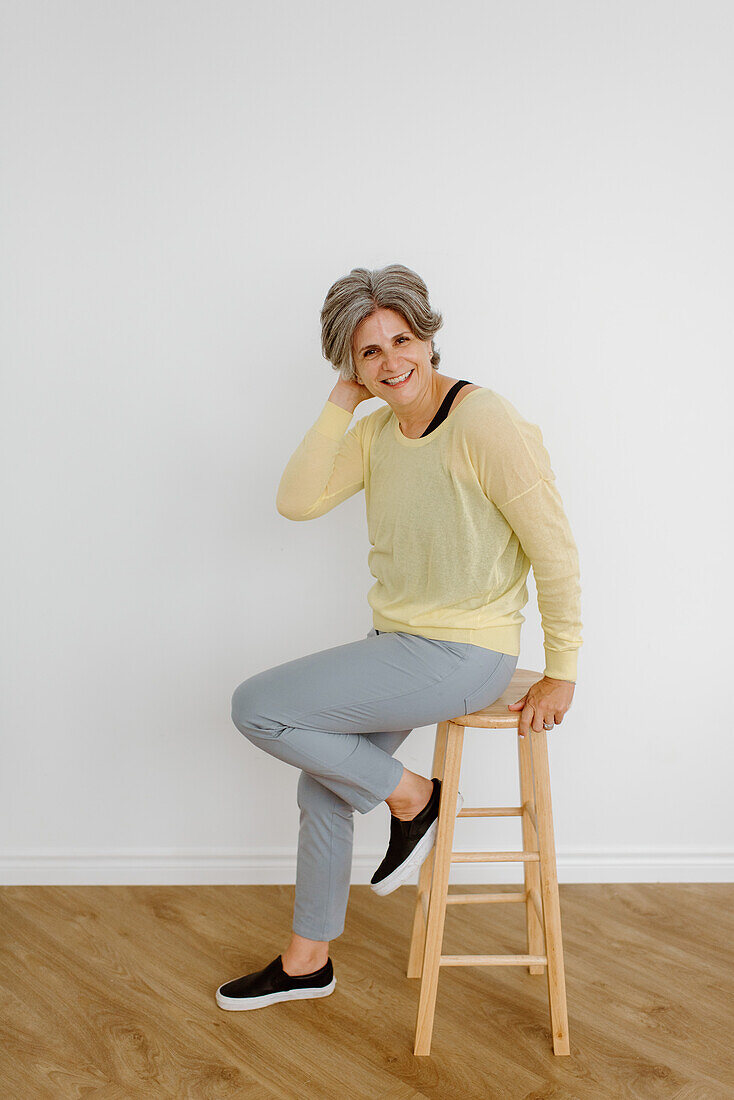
(326,468)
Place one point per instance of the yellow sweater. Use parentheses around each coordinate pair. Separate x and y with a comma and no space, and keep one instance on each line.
(455,520)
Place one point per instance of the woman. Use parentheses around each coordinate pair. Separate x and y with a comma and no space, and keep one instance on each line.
(460,502)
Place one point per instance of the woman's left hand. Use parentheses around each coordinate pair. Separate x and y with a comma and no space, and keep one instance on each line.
(546,701)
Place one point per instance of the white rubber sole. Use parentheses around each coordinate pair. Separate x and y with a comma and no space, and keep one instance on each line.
(405,871)
(239,1004)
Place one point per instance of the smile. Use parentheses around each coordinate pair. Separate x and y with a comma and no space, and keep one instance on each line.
(400,380)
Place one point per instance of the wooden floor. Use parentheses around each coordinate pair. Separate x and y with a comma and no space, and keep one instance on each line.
(108,991)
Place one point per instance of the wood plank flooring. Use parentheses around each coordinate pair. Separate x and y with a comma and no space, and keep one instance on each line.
(108,992)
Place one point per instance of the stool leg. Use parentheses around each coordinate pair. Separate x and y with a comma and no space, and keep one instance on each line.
(530,844)
(418,938)
(439,889)
(551,903)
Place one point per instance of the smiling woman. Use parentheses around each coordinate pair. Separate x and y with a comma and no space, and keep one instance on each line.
(388,351)
(401,364)
(461,501)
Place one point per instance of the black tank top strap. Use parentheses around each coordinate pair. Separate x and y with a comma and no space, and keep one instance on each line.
(445,407)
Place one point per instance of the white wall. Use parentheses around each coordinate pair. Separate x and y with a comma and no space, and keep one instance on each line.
(182,182)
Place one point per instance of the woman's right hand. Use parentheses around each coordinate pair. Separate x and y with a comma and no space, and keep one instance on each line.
(349,394)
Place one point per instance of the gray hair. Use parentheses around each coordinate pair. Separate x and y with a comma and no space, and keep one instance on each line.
(360,294)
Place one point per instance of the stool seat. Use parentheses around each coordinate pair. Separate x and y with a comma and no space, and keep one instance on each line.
(496,716)
(539,895)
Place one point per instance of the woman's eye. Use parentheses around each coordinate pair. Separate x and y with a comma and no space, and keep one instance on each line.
(370,350)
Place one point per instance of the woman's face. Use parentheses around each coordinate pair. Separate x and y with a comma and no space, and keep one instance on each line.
(384,348)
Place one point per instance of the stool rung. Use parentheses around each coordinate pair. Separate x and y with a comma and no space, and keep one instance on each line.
(495,857)
(467,899)
(493,960)
(500,811)
(490,811)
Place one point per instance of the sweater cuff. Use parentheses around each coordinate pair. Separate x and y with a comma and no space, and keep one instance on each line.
(333,421)
(561,666)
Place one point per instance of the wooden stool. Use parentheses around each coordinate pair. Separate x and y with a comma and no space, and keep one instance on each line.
(540,892)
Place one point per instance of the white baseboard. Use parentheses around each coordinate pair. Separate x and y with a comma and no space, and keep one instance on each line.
(264,866)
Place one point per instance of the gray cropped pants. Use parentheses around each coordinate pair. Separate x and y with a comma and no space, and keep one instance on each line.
(339,715)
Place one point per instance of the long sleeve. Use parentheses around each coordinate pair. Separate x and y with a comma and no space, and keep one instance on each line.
(539,521)
(325,469)
(515,471)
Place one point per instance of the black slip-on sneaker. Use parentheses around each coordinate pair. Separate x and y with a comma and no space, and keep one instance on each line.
(410,843)
(272,984)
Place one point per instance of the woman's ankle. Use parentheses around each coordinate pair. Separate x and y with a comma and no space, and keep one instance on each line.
(304,956)
(298,966)
(410,796)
